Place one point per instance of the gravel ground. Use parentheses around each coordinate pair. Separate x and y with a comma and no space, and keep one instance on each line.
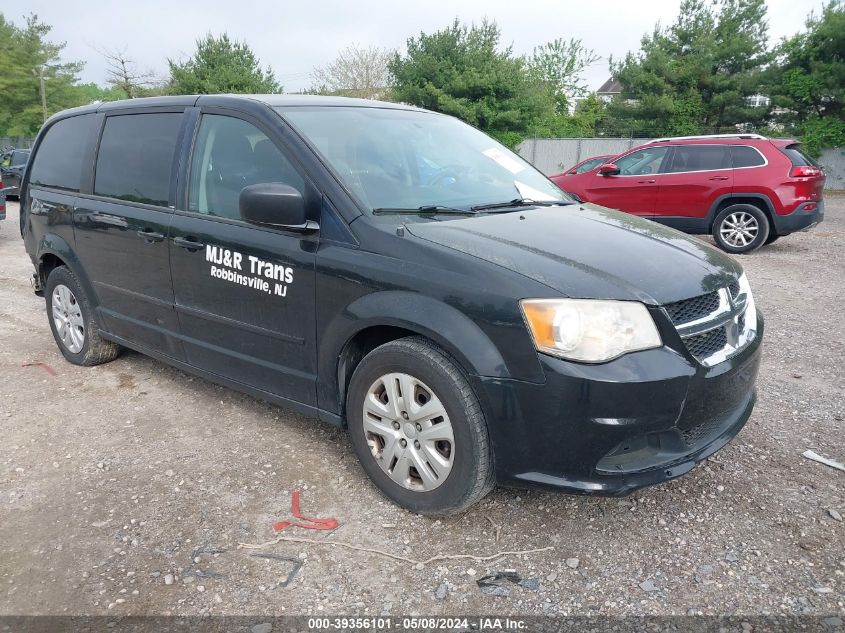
(115,479)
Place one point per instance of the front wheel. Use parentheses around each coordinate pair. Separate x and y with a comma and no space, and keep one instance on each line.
(418,429)
(740,228)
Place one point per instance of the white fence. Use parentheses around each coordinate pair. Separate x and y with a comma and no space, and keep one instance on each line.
(554,155)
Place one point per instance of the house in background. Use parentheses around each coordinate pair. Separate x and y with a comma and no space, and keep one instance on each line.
(605,93)
(758,101)
(609,89)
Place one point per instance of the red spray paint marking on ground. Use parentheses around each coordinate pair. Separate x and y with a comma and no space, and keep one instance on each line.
(308,524)
(44,366)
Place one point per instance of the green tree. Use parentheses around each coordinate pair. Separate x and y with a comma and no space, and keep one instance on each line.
(92,93)
(29,61)
(462,71)
(695,76)
(221,65)
(807,82)
(559,65)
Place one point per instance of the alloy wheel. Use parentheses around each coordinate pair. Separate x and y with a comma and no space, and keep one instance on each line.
(739,229)
(67,317)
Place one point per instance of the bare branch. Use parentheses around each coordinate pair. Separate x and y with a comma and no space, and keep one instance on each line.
(356,72)
(122,72)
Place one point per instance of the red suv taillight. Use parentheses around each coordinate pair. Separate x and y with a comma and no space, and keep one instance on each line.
(801,171)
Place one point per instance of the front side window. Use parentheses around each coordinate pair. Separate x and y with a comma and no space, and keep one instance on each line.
(700,158)
(135,160)
(642,162)
(58,161)
(230,154)
(406,159)
(587,165)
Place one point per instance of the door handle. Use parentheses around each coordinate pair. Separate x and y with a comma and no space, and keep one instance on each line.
(646,182)
(150,236)
(720,178)
(188,243)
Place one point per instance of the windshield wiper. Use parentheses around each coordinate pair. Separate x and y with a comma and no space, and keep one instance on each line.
(430,209)
(521,202)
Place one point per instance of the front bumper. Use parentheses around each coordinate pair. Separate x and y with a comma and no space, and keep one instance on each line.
(800,219)
(610,429)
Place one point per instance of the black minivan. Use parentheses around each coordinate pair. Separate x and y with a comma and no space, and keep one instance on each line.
(397,272)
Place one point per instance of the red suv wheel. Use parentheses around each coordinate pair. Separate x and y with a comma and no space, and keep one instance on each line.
(740,228)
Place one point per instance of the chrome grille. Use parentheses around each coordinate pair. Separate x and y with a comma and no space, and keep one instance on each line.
(733,288)
(704,345)
(682,312)
(713,325)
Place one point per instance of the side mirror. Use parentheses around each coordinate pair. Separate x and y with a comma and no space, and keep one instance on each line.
(608,169)
(274,204)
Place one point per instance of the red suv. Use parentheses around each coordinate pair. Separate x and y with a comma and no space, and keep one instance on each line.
(744,189)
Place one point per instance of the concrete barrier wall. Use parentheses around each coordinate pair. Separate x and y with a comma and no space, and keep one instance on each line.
(554,155)
(833,161)
(17,142)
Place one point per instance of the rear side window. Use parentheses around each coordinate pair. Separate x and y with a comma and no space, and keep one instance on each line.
(700,158)
(798,158)
(58,161)
(744,156)
(136,157)
(19,158)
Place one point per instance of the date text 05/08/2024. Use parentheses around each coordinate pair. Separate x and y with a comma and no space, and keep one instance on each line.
(418,623)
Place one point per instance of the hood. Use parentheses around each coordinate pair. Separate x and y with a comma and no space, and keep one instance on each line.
(589,252)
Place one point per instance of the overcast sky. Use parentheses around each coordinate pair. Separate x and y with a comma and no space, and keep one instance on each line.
(295,36)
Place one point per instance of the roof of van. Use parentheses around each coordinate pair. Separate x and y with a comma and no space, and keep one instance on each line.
(271,100)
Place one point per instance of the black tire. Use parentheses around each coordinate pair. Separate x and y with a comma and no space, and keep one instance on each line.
(772,238)
(471,474)
(94,350)
(730,213)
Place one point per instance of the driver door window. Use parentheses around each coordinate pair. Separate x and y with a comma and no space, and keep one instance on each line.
(643,162)
(231,154)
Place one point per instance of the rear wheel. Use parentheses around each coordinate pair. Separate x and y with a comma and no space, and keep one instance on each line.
(740,228)
(72,321)
(418,429)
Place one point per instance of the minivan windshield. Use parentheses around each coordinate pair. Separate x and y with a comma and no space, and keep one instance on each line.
(393,159)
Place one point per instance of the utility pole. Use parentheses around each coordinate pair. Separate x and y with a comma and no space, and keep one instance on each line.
(40,74)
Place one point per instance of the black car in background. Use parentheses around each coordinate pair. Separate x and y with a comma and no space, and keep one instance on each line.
(12,165)
(396,272)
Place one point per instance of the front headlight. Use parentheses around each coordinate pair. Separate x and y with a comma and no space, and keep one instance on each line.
(589,330)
